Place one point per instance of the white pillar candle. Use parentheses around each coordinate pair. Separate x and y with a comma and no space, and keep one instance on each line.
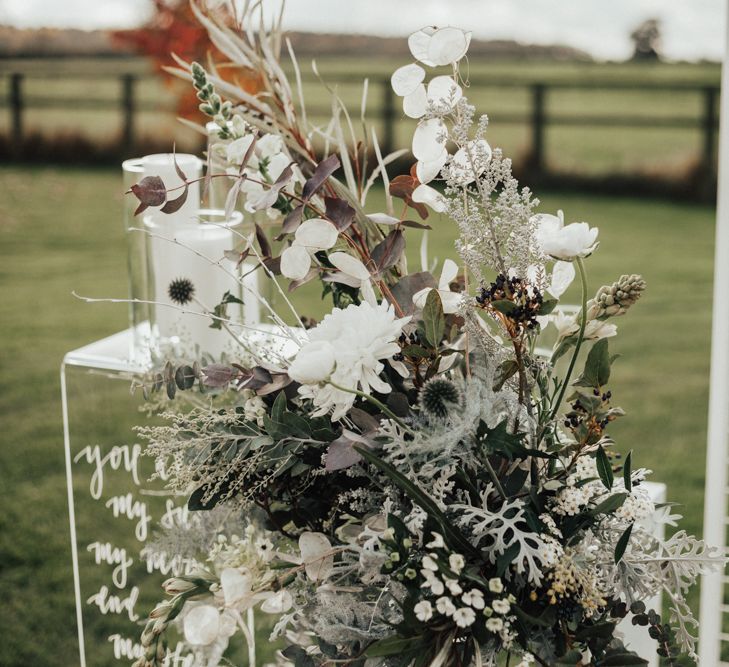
(196,252)
(162,165)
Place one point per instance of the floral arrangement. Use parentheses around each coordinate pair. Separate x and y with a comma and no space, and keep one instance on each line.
(414,480)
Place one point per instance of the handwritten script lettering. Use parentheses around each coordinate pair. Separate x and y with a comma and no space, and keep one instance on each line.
(114,604)
(111,555)
(132,509)
(119,456)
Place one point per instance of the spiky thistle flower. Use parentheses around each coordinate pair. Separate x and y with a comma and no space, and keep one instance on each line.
(181,291)
(438,396)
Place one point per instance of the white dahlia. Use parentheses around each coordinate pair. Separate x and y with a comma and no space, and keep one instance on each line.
(347,349)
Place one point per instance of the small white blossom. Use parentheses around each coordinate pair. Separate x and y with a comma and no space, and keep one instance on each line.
(494,624)
(501,606)
(423,611)
(456,562)
(474,598)
(429,562)
(464,617)
(436,543)
(453,586)
(496,585)
(445,606)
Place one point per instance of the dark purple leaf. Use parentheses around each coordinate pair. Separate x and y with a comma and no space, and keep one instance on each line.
(415,225)
(263,243)
(248,155)
(339,212)
(218,375)
(295,284)
(341,453)
(174,205)
(323,171)
(273,264)
(292,220)
(269,197)
(259,378)
(180,173)
(278,382)
(404,290)
(232,197)
(364,421)
(388,251)
(150,191)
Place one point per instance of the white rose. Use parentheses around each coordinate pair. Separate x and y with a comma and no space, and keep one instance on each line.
(314,363)
(565,242)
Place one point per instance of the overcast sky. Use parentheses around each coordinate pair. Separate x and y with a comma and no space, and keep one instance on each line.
(692,29)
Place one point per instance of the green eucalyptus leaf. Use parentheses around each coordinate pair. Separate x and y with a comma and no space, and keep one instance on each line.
(433,318)
(604,468)
(627,470)
(622,544)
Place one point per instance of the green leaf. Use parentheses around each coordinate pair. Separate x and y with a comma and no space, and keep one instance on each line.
(433,318)
(604,469)
(392,646)
(622,544)
(547,306)
(623,659)
(597,366)
(609,505)
(504,306)
(498,440)
(602,630)
(505,370)
(421,498)
(627,470)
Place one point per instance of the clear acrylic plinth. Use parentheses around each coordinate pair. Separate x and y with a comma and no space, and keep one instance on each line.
(113,507)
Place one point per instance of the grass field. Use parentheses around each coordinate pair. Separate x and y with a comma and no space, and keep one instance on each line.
(60,230)
(502,92)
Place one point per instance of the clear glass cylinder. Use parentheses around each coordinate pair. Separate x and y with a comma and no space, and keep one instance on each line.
(191,268)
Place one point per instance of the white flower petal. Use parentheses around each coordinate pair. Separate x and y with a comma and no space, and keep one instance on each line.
(563,274)
(427,171)
(444,92)
(316,234)
(295,262)
(451,301)
(202,625)
(424,194)
(448,274)
(420,297)
(278,603)
(236,586)
(407,78)
(448,45)
(415,104)
(350,265)
(313,363)
(316,553)
(419,43)
(429,139)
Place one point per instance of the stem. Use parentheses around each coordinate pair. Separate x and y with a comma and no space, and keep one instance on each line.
(495,478)
(580,337)
(380,406)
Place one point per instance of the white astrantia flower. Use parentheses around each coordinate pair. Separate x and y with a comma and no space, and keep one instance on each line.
(311,236)
(361,337)
(464,617)
(450,300)
(423,611)
(565,242)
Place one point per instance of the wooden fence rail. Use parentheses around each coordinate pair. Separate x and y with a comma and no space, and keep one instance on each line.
(538,118)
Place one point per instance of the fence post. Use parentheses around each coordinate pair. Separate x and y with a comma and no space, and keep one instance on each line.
(709,129)
(538,123)
(127,106)
(388,118)
(16,109)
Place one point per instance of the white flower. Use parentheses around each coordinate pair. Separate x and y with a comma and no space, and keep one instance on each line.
(464,617)
(314,362)
(453,586)
(361,336)
(430,564)
(494,624)
(565,242)
(423,611)
(563,274)
(596,329)
(439,46)
(311,236)
(236,150)
(432,582)
(501,606)
(354,273)
(456,562)
(437,541)
(445,606)
(474,598)
(496,585)
(450,300)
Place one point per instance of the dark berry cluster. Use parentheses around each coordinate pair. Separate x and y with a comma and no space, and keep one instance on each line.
(527,300)
(569,609)
(405,340)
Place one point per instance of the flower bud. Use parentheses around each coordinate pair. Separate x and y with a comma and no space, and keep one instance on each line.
(175,586)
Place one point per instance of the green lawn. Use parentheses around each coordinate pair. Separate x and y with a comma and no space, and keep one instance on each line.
(60,230)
